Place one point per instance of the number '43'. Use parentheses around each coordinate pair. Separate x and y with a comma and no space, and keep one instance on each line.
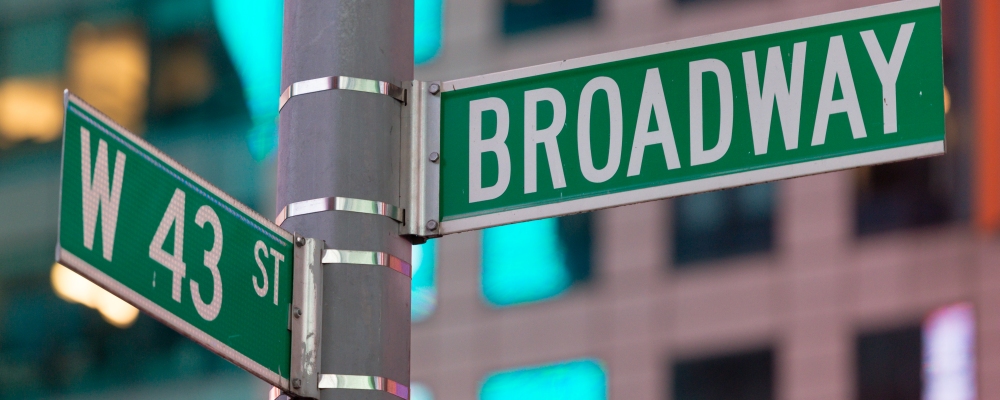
(174,217)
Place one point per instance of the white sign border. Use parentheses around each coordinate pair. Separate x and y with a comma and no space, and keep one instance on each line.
(894,7)
(463,224)
(161,314)
(695,186)
(70,260)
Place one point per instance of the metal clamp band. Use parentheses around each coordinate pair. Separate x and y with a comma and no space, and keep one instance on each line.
(364,382)
(343,83)
(334,256)
(339,204)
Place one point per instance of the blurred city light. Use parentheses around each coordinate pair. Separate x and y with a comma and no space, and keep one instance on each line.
(572,380)
(523,263)
(950,353)
(947,100)
(109,68)
(251,31)
(30,109)
(419,391)
(423,289)
(74,288)
(427,29)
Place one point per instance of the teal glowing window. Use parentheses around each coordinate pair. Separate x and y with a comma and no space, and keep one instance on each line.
(535,260)
(573,380)
(521,16)
(423,290)
(419,391)
(427,29)
(256,53)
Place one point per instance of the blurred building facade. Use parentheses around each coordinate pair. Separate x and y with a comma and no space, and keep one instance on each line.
(848,285)
(823,287)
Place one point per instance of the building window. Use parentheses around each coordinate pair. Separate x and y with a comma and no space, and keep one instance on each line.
(723,223)
(526,15)
(889,365)
(535,260)
(743,376)
(423,290)
(902,195)
(572,380)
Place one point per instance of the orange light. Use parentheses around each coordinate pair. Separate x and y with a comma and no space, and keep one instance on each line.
(109,68)
(30,109)
(74,288)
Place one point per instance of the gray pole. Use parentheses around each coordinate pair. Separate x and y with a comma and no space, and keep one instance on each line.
(347,144)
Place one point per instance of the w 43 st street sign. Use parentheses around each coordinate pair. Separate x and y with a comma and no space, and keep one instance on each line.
(153,233)
(796,98)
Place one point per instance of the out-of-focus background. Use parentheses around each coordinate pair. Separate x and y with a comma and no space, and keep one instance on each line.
(879,283)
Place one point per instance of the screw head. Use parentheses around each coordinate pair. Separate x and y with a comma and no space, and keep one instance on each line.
(434,157)
(432,225)
(297,312)
(434,88)
(300,241)
(297,383)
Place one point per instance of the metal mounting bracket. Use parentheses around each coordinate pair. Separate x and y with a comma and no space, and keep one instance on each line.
(307,316)
(421,160)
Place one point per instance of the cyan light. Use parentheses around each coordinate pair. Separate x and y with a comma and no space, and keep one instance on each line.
(524,263)
(419,391)
(423,289)
(572,380)
(427,29)
(251,30)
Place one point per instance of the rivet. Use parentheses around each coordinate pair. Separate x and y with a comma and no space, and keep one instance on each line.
(297,312)
(432,225)
(434,88)
(300,241)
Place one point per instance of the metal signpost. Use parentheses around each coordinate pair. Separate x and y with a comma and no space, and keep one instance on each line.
(148,230)
(371,161)
(802,97)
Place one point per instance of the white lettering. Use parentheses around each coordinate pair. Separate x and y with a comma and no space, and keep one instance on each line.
(653,100)
(278,258)
(534,136)
(583,129)
(700,155)
(96,194)
(211,310)
(888,71)
(495,145)
(776,90)
(173,217)
(837,68)
(257,248)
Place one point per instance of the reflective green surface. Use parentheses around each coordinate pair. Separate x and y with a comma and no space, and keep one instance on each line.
(920,110)
(251,316)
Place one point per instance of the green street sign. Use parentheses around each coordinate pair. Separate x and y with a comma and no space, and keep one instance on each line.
(802,97)
(148,230)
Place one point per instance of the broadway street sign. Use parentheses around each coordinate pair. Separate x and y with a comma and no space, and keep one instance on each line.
(148,230)
(813,95)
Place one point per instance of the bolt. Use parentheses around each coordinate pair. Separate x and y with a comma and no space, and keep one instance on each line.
(297,383)
(432,225)
(434,157)
(300,241)
(434,88)
(297,312)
